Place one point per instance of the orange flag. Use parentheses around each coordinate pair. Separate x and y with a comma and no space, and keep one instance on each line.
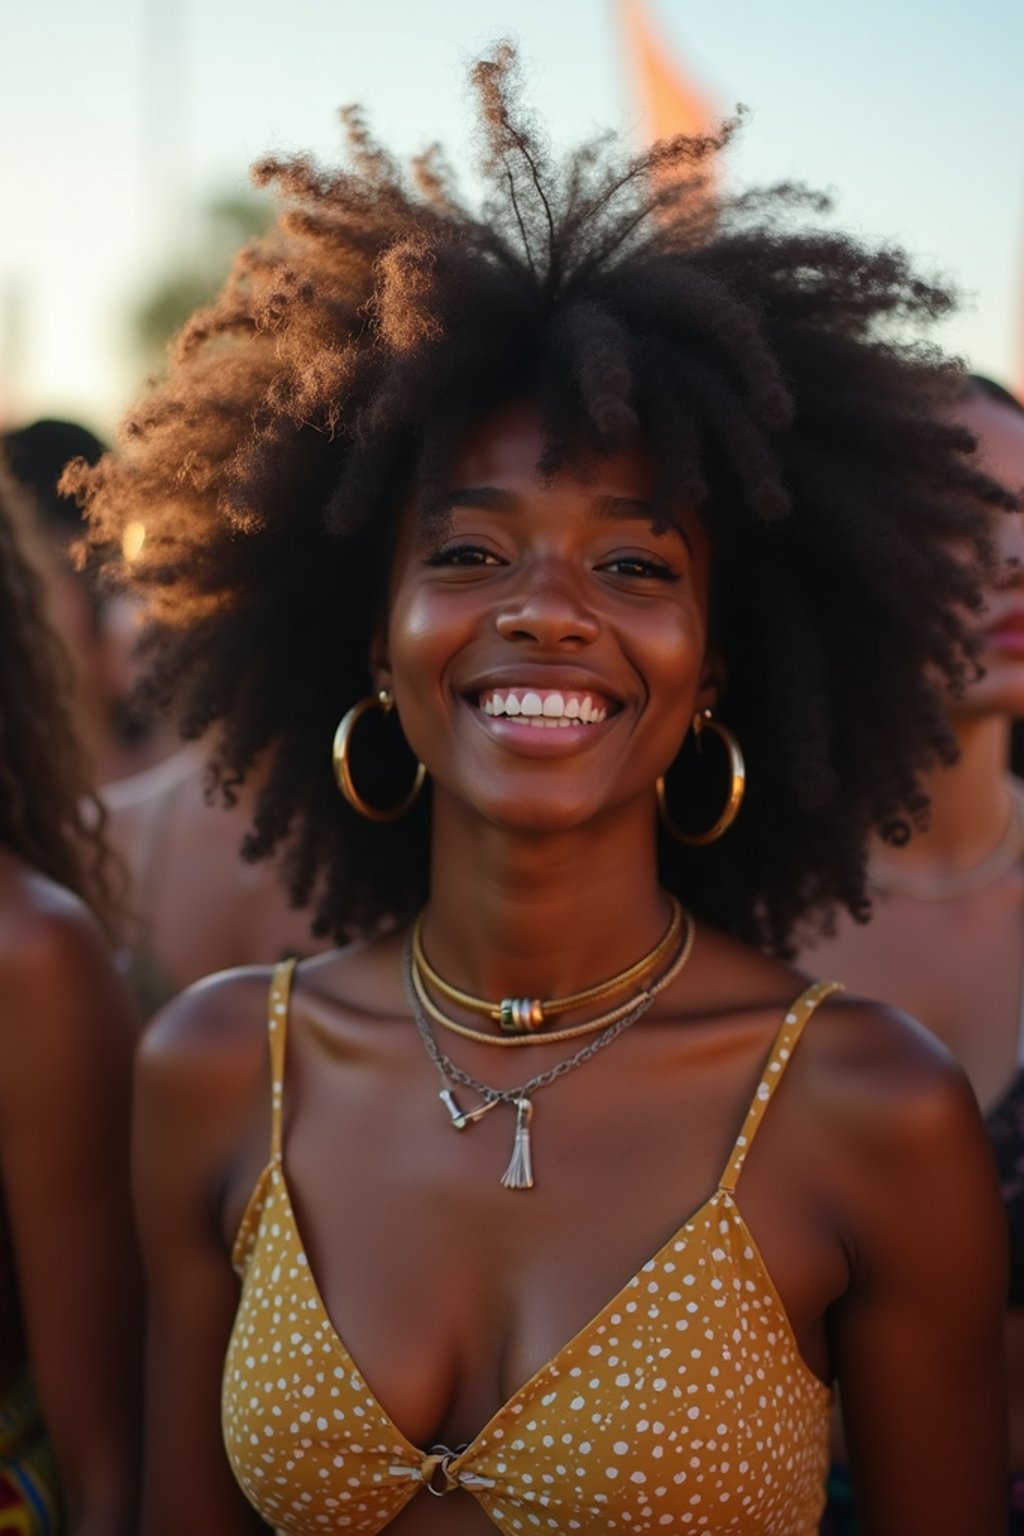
(669,102)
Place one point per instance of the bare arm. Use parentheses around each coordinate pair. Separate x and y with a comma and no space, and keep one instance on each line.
(198,1080)
(918,1337)
(67,1038)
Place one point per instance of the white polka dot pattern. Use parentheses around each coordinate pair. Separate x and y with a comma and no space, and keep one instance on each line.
(683,1406)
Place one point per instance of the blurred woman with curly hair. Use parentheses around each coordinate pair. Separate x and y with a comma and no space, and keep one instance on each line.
(621,531)
(946,935)
(70,1324)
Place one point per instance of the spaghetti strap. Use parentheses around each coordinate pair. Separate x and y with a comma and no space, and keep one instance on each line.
(277,1026)
(783,1045)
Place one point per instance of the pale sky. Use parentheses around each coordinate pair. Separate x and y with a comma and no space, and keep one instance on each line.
(117,117)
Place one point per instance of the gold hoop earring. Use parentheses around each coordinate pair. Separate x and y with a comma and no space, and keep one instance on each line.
(704,720)
(384,700)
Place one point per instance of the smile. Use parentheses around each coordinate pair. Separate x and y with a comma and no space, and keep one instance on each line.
(544,708)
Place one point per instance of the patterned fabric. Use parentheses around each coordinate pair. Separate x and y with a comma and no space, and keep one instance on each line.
(29,1501)
(683,1404)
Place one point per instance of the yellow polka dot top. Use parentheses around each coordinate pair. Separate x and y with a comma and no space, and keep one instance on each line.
(684,1406)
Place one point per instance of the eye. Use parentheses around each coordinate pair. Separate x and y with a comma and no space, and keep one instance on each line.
(462,556)
(640,567)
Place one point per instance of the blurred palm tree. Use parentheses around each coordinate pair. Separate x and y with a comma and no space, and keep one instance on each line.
(224,224)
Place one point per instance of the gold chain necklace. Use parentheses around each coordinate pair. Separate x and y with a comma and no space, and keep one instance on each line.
(1003,856)
(519,1173)
(518,1016)
(574,1032)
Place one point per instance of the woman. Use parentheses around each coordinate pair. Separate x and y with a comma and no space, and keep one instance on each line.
(524,497)
(947,917)
(70,1325)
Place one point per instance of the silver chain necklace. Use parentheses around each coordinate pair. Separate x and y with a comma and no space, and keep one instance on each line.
(519,1173)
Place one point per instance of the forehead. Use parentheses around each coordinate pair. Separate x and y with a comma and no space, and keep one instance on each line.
(506,447)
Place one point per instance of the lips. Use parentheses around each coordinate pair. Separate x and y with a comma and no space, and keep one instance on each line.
(1010,623)
(546,708)
(1006,633)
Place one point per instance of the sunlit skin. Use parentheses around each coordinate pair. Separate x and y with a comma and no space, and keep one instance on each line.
(449,1291)
(560,586)
(958,965)
(69,1274)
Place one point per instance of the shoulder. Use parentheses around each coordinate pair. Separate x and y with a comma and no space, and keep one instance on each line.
(896,1122)
(67,1026)
(220,1023)
(54,957)
(38,917)
(866,1057)
(215,1024)
(201,1093)
(865,1069)
(362,981)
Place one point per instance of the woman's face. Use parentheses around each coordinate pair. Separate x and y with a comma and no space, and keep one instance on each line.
(545,645)
(1000,433)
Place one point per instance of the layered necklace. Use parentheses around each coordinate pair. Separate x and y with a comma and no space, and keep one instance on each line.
(643,981)
(1005,854)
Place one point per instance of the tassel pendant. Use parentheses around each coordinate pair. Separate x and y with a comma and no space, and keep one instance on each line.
(519,1173)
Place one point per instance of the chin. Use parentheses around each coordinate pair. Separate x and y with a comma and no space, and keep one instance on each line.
(549,815)
(993,696)
(542,821)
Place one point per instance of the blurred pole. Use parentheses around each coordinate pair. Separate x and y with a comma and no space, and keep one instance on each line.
(164,80)
(14,318)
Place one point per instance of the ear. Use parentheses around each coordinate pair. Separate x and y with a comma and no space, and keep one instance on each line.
(380,660)
(712,680)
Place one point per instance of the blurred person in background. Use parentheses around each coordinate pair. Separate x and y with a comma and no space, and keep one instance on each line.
(945,939)
(69,1280)
(198,904)
(98,630)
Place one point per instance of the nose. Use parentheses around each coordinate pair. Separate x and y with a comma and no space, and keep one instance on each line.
(1011,548)
(548,609)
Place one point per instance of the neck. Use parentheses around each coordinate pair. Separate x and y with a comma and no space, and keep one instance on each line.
(970,804)
(538,914)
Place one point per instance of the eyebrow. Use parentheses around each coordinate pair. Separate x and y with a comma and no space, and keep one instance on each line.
(491,498)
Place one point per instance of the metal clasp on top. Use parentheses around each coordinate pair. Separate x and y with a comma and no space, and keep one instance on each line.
(445,1457)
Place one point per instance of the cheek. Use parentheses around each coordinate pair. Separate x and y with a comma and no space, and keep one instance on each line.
(676,639)
(673,664)
(420,635)
(426,635)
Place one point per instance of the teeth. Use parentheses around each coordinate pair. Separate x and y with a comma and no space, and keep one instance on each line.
(553,710)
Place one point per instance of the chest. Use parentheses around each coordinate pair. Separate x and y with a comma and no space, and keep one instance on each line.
(684,1391)
(451,1290)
